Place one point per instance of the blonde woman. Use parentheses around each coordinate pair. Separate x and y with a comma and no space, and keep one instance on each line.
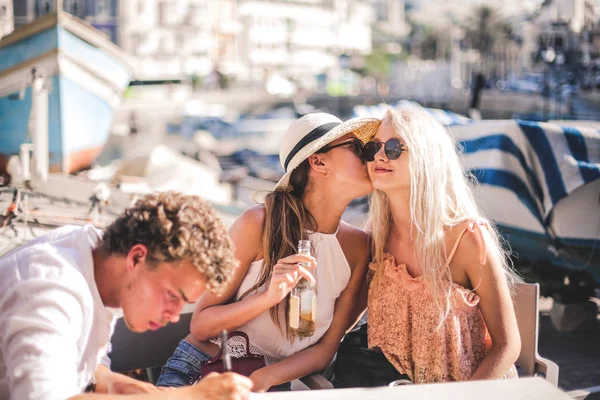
(324,173)
(439,297)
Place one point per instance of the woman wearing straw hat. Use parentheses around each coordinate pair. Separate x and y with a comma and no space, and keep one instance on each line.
(324,173)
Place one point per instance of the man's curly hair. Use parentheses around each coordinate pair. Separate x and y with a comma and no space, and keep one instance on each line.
(174,227)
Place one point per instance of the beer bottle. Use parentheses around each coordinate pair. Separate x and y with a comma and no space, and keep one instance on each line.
(303,301)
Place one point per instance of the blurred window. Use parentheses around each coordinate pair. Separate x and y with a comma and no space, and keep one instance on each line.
(558,42)
(75,7)
(102,8)
(383,10)
(42,7)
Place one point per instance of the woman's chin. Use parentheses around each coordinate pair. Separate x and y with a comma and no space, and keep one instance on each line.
(384,186)
(378,183)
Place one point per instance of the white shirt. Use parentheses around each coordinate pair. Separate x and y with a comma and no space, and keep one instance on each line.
(54,328)
(332,276)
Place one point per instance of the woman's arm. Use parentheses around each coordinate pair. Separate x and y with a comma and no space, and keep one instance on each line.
(346,313)
(487,277)
(211,315)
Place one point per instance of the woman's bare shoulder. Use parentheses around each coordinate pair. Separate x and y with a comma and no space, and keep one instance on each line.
(247,232)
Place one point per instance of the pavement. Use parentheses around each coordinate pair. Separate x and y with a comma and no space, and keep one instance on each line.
(588,105)
(577,353)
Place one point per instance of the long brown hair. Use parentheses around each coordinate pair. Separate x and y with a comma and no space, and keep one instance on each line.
(286,222)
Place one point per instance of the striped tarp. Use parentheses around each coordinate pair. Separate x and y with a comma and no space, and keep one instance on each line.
(540,182)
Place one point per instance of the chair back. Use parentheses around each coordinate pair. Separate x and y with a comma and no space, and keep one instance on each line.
(131,350)
(525,300)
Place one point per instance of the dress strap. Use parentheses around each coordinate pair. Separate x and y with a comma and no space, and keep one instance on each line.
(470,227)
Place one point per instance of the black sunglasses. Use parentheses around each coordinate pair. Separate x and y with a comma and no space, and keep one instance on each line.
(393,148)
(355,143)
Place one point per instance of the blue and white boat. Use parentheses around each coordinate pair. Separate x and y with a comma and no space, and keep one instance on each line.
(540,183)
(86,73)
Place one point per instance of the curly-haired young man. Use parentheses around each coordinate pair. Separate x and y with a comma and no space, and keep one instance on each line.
(61,294)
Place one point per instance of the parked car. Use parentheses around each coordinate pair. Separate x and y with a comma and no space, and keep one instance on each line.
(531,82)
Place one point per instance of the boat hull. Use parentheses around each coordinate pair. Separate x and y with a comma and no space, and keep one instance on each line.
(87,75)
(540,183)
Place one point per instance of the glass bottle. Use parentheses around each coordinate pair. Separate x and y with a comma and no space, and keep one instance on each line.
(303,301)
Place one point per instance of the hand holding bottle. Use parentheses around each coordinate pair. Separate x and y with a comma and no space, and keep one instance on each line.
(303,301)
(287,273)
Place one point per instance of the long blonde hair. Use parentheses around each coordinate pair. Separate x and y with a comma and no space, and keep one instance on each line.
(441,197)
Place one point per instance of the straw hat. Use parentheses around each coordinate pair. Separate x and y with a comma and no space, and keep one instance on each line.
(314,131)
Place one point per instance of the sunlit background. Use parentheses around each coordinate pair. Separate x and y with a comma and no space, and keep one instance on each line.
(195,95)
(425,50)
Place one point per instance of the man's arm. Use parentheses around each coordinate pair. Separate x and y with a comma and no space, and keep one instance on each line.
(227,386)
(115,383)
(41,322)
(41,325)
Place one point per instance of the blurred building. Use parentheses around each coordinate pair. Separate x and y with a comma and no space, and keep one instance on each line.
(25,11)
(563,27)
(242,39)
(390,26)
(561,22)
(102,14)
(441,13)
(301,38)
(170,39)
(527,32)
(246,40)
(225,51)
(577,15)
(6,17)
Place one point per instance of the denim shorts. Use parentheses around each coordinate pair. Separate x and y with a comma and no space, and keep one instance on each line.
(183,368)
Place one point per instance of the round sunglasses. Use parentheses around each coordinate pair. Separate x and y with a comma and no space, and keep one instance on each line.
(393,148)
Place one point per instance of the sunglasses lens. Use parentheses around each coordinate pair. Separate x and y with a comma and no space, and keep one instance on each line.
(393,149)
(370,149)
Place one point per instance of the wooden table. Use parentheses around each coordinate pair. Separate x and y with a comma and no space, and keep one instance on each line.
(509,389)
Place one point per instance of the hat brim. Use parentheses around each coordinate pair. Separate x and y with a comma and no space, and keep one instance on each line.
(363,128)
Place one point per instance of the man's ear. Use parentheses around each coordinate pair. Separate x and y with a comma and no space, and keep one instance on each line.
(137,255)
